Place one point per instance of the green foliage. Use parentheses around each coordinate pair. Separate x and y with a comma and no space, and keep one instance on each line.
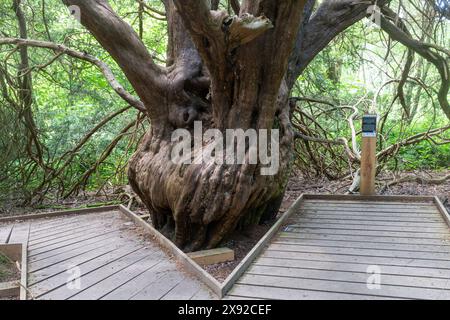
(425,156)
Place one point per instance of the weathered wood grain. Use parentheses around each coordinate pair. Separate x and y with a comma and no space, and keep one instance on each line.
(5,231)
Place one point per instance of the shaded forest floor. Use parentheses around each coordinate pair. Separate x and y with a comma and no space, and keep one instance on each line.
(297,185)
(243,241)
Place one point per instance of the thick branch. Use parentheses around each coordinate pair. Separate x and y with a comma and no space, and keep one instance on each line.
(329,20)
(215,33)
(103,67)
(236,6)
(183,58)
(125,46)
(204,28)
(26,90)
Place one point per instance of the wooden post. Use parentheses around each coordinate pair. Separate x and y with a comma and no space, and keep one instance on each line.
(368,155)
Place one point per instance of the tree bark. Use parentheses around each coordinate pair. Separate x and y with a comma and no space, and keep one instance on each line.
(198,205)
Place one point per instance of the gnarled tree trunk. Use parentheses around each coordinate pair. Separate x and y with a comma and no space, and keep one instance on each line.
(221,77)
(229,72)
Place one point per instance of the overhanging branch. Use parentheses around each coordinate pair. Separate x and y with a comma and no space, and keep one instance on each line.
(127,49)
(103,67)
(329,20)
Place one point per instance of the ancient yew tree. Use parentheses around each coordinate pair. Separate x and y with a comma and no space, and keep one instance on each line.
(230,69)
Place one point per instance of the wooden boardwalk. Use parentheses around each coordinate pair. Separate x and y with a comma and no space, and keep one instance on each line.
(324,247)
(99,256)
(339,249)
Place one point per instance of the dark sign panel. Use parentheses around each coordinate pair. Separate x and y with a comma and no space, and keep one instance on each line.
(369,126)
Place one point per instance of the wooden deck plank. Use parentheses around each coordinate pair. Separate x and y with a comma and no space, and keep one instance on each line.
(37,238)
(20,233)
(374,198)
(113,259)
(372,202)
(368,260)
(63,244)
(381,211)
(5,231)
(96,276)
(322,225)
(183,260)
(66,235)
(323,253)
(354,267)
(59,221)
(230,297)
(367,217)
(75,246)
(61,265)
(370,212)
(396,234)
(78,252)
(90,225)
(185,290)
(367,221)
(351,276)
(274,293)
(368,204)
(75,224)
(159,288)
(345,287)
(204,295)
(361,252)
(363,205)
(365,245)
(134,286)
(444,212)
(43,216)
(60,280)
(363,238)
(44,229)
(71,234)
(120,278)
